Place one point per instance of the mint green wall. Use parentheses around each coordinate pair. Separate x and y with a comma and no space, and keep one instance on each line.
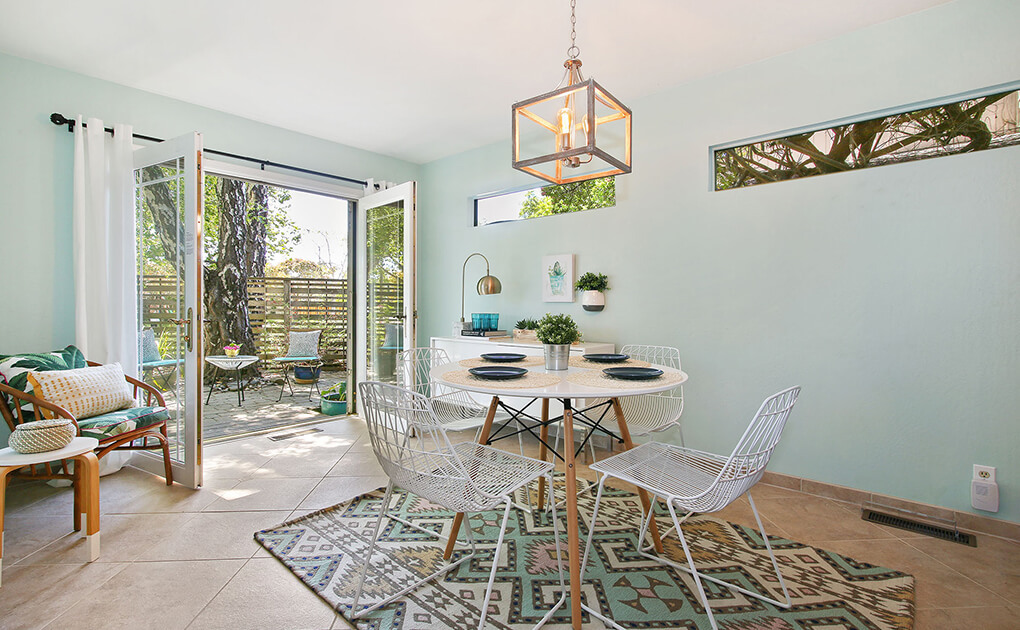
(891,295)
(35,177)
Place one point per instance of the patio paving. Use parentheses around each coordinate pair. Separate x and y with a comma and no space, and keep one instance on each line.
(223,419)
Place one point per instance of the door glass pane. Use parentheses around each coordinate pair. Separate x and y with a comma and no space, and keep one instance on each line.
(162,248)
(385,279)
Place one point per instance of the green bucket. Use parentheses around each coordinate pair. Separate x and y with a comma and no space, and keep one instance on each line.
(333,404)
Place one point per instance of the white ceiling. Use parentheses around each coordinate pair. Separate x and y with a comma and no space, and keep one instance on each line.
(413,79)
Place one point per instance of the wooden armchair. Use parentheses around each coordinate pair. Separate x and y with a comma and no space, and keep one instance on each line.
(124,429)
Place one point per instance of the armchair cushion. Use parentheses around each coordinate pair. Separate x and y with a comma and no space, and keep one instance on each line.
(84,392)
(14,368)
(121,421)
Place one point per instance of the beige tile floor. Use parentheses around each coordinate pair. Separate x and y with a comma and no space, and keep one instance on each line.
(178,558)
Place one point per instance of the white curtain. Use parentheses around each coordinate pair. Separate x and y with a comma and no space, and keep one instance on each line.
(104,245)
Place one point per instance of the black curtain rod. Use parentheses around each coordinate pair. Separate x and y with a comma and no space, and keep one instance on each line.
(60,119)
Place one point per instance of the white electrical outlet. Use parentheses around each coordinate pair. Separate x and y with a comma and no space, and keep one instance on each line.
(984,473)
(984,492)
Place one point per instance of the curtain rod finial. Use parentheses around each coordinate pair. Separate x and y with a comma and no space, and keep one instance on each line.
(59,119)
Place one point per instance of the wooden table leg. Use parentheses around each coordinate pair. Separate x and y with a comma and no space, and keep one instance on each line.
(89,479)
(3,493)
(645,500)
(543,434)
(573,542)
(78,496)
(482,439)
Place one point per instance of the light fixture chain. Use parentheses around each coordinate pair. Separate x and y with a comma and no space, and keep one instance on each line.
(573,51)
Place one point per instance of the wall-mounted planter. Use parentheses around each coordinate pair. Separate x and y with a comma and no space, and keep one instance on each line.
(593,300)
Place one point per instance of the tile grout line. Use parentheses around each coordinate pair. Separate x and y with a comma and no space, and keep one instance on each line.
(961,574)
(60,613)
(230,579)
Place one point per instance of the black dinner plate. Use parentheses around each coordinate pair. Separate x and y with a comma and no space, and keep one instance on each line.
(633,373)
(607,358)
(498,373)
(503,357)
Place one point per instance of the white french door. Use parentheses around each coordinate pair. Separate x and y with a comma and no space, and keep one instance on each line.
(385,289)
(168,207)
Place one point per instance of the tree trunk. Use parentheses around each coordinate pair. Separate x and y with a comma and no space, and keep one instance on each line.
(226,284)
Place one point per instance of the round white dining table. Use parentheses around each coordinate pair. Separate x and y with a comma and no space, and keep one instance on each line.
(567,391)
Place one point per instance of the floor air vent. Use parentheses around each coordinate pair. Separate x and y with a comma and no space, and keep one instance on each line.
(921,528)
(293,434)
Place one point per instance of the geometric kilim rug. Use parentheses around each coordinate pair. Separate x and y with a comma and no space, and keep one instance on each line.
(326,550)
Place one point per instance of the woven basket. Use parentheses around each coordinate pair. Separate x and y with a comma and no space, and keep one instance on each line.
(42,435)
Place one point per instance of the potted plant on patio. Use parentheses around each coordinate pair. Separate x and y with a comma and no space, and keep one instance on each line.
(333,401)
(524,330)
(593,287)
(557,332)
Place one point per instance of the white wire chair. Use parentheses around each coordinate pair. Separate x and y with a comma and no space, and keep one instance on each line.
(465,477)
(699,482)
(455,408)
(652,413)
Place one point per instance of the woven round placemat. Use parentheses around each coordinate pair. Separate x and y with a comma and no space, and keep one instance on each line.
(525,362)
(595,378)
(581,362)
(531,380)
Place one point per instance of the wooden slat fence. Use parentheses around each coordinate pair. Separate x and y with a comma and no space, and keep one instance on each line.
(276,305)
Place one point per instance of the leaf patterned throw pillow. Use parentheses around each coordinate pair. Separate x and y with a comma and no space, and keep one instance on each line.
(14,368)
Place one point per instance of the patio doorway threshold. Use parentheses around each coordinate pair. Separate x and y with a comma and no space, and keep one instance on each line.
(283,427)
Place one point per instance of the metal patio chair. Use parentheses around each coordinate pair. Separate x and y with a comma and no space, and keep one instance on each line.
(302,349)
(699,482)
(411,444)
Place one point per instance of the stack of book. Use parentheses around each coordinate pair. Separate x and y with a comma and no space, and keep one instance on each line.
(483,333)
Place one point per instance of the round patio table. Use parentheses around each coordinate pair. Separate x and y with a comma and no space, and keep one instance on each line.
(566,389)
(230,364)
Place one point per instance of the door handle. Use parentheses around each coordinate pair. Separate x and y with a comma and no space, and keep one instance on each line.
(188,332)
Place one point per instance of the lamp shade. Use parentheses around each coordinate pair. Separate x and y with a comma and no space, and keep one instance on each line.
(488,285)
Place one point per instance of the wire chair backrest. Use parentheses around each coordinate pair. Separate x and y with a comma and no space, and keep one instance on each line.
(414,367)
(424,463)
(658,355)
(746,464)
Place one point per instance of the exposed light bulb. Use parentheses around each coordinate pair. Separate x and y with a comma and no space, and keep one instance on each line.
(566,120)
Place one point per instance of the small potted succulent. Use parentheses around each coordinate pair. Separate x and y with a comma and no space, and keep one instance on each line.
(593,287)
(231,349)
(557,332)
(524,330)
(333,401)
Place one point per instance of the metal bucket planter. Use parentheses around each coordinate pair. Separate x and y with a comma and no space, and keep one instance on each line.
(557,356)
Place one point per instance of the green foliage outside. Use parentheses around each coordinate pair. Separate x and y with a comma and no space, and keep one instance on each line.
(564,198)
(962,127)
(557,329)
(282,234)
(300,268)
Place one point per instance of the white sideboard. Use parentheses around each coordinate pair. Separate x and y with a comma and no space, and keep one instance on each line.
(469,347)
(460,348)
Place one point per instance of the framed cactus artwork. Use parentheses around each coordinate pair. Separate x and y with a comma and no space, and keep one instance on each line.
(558,278)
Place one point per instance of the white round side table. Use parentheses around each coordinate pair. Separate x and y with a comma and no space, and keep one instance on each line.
(86,485)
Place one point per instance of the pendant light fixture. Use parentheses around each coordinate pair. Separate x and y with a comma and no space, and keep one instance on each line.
(579,131)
